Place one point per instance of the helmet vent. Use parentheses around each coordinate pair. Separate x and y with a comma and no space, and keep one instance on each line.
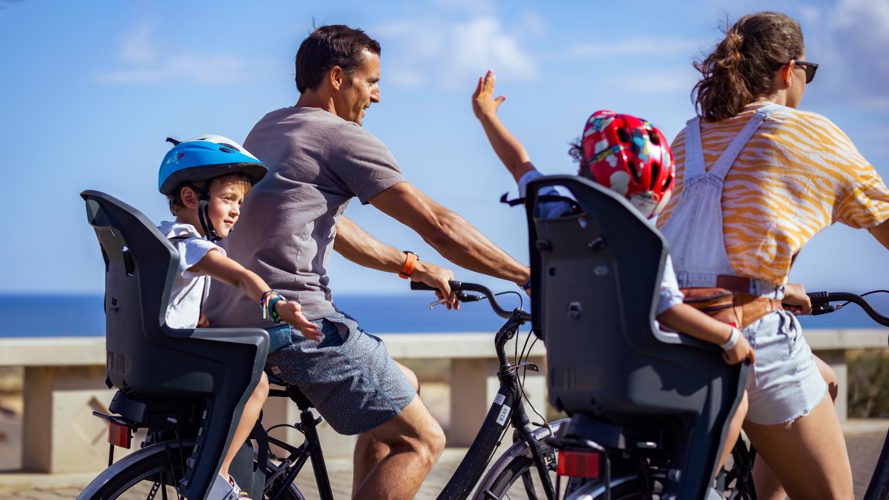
(623,135)
(655,173)
(654,138)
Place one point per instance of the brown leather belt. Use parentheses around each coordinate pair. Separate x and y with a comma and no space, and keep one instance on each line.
(735,308)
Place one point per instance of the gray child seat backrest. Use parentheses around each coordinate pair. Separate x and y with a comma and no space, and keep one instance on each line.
(595,275)
(159,366)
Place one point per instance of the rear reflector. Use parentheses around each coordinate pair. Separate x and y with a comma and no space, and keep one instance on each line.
(119,435)
(579,463)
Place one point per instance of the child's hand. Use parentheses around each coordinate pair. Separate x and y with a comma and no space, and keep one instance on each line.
(739,352)
(483,101)
(291,312)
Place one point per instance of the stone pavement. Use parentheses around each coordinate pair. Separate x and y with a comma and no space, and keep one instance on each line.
(864,439)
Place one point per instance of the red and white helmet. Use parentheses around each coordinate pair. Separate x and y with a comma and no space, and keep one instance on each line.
(630,156)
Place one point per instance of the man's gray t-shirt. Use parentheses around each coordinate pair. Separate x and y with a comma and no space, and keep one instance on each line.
(285,234)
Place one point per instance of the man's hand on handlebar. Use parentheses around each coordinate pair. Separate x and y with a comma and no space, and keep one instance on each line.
(795,299)
(438,278)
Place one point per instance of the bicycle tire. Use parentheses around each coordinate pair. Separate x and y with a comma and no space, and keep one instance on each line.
(147,473)
(514,474)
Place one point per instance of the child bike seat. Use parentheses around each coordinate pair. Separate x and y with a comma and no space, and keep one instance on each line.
(158,365)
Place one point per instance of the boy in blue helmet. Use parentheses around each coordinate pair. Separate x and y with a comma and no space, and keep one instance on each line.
(206,179)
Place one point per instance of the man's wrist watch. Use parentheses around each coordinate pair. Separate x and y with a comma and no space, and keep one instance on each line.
(410,263)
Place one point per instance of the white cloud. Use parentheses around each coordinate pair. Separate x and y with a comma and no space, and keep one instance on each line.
(141,62)
(444,53)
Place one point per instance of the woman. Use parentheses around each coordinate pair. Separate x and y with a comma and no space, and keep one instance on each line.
(756,179)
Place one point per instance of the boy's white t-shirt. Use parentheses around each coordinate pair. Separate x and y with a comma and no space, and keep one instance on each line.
(189,289)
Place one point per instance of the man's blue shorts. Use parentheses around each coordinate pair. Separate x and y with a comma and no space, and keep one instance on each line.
(349,377)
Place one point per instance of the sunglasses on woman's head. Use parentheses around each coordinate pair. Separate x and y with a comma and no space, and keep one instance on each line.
(810,69)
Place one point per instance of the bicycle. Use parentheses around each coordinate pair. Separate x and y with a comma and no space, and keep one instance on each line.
(526,469)
(737,482)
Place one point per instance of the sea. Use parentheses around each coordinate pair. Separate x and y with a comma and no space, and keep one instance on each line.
(66,315)
(57,315)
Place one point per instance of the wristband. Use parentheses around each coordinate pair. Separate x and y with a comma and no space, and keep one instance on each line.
(272,312)
(410,262)
(732,340)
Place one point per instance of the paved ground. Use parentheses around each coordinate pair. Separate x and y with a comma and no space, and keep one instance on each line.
(864,440)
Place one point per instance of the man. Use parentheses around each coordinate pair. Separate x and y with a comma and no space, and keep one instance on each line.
(321,158)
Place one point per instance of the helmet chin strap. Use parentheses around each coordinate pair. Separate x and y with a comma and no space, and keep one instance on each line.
(204,212)
(204,218)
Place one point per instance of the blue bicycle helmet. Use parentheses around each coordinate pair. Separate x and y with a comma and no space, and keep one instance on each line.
(203,158)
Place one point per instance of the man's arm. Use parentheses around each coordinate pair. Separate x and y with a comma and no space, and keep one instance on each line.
(448,233)
(357,245)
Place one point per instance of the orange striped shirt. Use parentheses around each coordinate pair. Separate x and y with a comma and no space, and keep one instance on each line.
(797,175)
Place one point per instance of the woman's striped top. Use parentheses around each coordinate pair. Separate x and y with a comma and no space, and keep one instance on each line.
(797,175)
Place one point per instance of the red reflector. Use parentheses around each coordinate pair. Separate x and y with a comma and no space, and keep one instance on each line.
(119,435)
(579,463)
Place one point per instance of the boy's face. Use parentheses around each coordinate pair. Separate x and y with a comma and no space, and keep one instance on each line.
(226,196)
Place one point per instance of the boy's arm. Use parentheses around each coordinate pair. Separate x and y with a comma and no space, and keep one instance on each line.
(686,319)
(508,148)
(357,245)
(221,268)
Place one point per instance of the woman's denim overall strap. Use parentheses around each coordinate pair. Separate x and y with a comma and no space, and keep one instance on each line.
(694,229)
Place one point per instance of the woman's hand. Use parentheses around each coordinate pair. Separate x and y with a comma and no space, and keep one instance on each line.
(795,299)
(739,352)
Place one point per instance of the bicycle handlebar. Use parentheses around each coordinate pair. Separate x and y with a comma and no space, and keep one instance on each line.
(459,287)
(821,304)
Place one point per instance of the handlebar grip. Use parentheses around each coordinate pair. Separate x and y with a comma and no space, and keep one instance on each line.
(416,285)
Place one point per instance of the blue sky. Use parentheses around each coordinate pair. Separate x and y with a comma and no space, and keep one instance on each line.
(89,91)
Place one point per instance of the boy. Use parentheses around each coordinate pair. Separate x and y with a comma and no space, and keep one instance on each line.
(206,179)
(632,157)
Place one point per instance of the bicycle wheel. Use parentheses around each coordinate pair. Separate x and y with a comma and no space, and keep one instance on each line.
(148,473)
(515,475)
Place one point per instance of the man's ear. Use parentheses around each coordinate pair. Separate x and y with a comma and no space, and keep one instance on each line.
(336,77)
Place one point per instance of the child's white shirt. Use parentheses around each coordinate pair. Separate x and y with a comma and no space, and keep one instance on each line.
(189,289)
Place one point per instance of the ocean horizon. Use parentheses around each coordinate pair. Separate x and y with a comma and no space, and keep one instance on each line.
(81,315)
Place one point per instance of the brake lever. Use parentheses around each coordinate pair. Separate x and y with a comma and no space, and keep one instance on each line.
(826,308)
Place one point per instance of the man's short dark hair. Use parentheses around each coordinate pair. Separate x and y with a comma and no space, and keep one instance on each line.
(329,46)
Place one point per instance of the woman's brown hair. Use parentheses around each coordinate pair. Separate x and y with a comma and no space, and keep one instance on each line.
(741,68)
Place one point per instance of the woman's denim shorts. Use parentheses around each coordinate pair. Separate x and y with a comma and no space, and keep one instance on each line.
(785,383)
(349,377)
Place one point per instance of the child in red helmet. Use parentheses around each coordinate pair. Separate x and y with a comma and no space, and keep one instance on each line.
(632,157)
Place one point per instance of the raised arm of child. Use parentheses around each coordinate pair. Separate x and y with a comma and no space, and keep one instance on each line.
(508,148)
(219,267)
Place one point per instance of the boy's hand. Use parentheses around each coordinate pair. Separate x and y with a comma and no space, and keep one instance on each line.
(291,312)
(483,101)
(740,352)
(437,277)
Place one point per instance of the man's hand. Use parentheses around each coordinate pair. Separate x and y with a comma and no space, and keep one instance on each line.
(437,277)
(483,101)
(291,312)
(795,299)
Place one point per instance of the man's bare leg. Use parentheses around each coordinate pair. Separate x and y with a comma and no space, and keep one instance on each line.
(402,451)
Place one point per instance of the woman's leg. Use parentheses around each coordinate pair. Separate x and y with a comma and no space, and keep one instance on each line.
(808,456)
(245,425)
(767,485)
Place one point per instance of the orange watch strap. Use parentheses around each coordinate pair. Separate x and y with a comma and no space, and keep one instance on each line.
(410,262)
